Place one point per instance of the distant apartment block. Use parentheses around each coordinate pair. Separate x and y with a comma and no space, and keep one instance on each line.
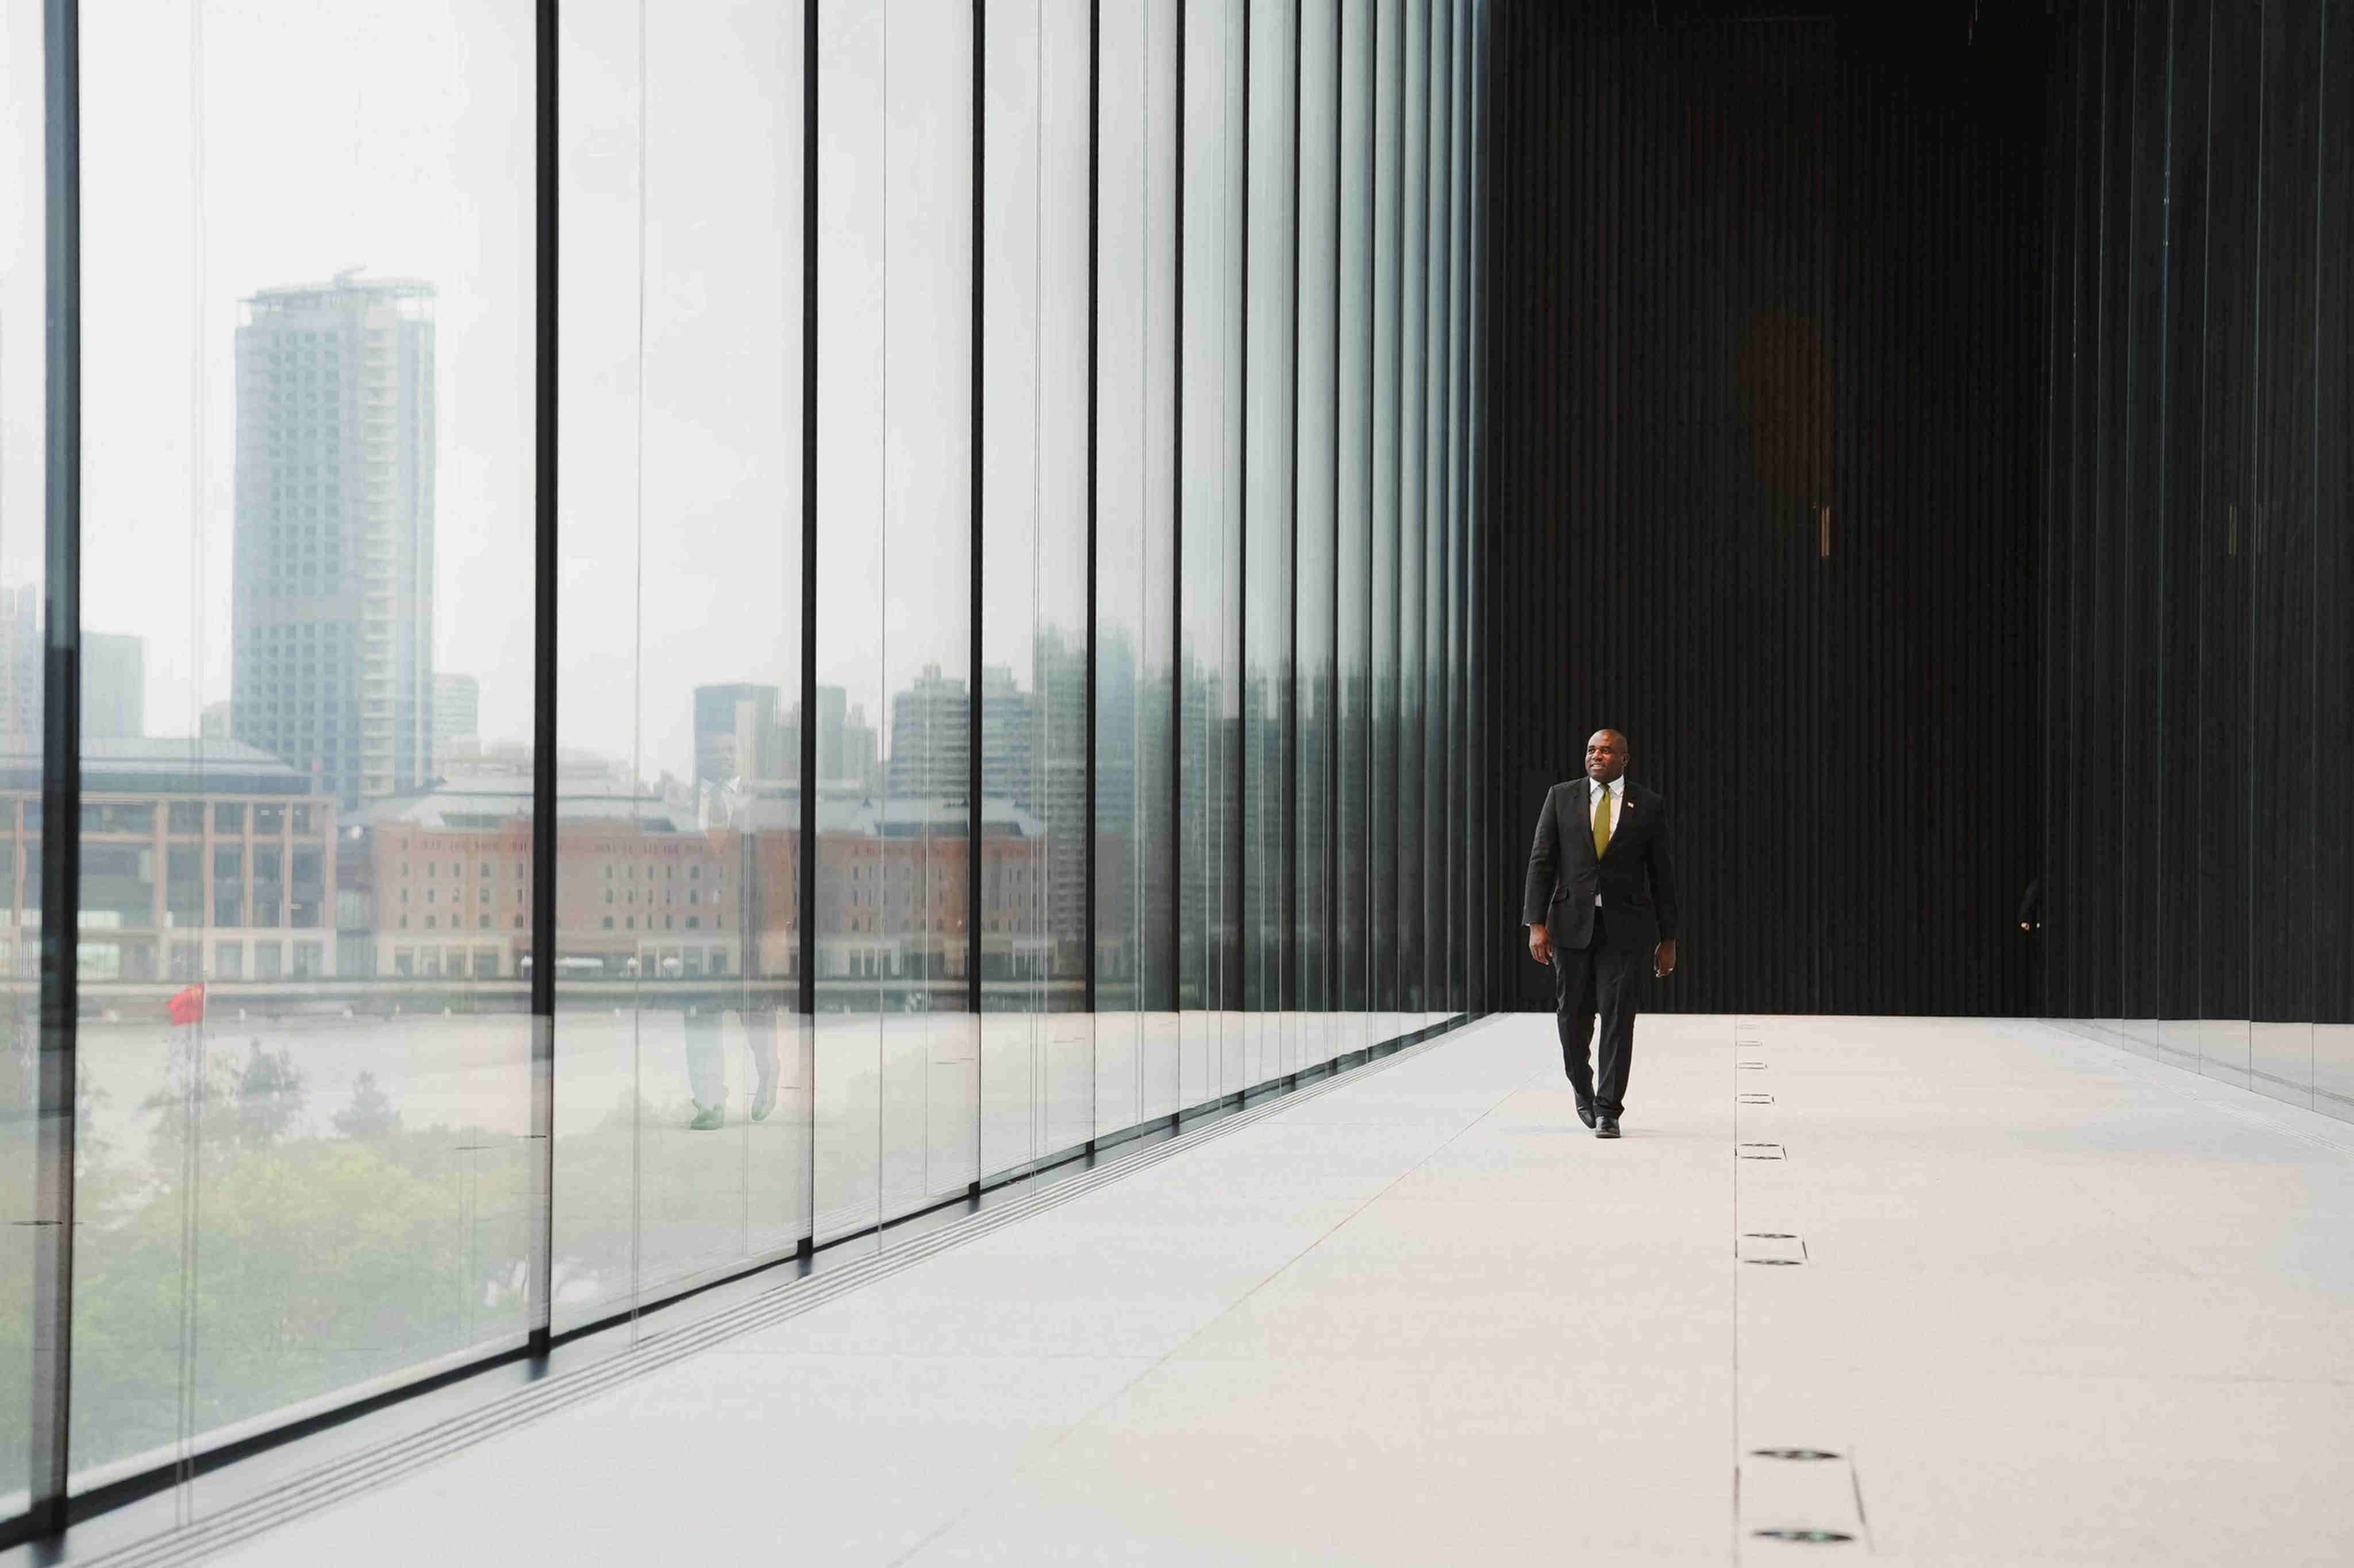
(931,739)
(113,674)
(746,731)
(333,610)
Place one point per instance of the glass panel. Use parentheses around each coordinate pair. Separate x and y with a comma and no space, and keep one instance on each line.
(1349,922)
(1413,466)
(604,837)
(1037,1056)
(1119,586)
(682,1122)
(1386,858)
(1135,1048)
(328,504)
(1267,538)
(1437,454)
(1315,757)
(852,942)
(930,1085)
(1210,850)
(1157,373)
(900,1052)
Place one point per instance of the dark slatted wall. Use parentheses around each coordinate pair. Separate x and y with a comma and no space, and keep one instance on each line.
(2198,583)
(1762,308)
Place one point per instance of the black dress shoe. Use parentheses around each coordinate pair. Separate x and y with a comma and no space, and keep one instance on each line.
(1586,1115)
(1609,1127)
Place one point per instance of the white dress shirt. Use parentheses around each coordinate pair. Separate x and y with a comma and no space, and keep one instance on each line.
(1618,788)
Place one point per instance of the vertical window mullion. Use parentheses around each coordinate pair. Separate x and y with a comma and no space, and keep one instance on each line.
(60,774)
(805,868)
(544,661)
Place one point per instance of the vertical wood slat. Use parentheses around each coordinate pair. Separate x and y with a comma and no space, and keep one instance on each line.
(2198,578)
(1707,318)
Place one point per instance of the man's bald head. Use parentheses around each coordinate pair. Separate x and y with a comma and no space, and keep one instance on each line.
(1605,755)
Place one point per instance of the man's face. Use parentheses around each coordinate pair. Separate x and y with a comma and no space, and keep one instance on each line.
(1605,755)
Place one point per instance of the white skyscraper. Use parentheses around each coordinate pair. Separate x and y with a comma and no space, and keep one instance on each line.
(333,606)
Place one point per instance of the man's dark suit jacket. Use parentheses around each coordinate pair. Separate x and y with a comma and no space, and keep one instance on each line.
(1638,888)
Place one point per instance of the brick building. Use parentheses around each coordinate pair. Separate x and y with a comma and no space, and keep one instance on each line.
(200,859)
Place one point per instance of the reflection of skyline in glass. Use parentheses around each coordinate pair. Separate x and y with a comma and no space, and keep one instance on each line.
(1033,780)
(1030,403)
(203,852)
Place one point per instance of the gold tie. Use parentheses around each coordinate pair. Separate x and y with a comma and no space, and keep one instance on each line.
(1601,821)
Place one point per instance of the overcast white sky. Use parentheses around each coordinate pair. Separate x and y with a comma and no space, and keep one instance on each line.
(231,146)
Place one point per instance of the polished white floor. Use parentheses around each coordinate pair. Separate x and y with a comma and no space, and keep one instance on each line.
(2055,1304)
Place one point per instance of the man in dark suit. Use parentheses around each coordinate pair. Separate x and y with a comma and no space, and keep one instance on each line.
(1600,906)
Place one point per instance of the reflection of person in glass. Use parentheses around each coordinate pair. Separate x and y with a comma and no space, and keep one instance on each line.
(707,1065)
(1600,906)
(706,1061)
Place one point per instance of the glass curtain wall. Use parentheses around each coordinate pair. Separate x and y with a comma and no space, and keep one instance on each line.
(1008,510)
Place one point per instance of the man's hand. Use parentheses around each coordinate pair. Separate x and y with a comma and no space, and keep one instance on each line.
(1663,958)
(1539,943)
